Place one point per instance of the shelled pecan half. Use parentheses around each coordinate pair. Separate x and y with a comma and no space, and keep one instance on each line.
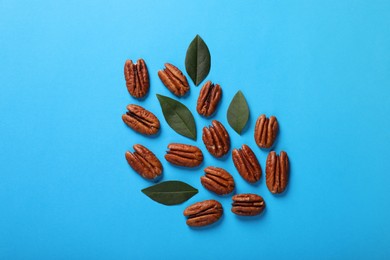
(247,204)
(203,213)
(141,120)
(217,180)
(137,78)
(266,130)
(144,162)
(216,139)
(174,80)
(277,171)
(247,164)
(208,99)
(184,155)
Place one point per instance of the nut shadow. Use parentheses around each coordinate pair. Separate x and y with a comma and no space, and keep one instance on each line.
(190,169)
(147,136)
(142,98)
(253,218)
(225,157)
(212,226)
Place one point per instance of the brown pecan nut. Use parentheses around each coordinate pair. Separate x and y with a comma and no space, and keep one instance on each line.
(184,155)
(247,164)
(203,213)
(217,180)
(265,131)
(247,204)
(174,80)
(276,172)
(137,78)
(141,120)
(144,162)
(208,99)
(216,139)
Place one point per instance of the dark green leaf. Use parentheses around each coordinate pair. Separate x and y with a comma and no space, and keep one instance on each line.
(170,192)
(178,117)
(238,112)
(198,60)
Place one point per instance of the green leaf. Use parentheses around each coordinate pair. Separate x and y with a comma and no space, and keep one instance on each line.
(198,60)
(178,117)
(238,112)
(170,192)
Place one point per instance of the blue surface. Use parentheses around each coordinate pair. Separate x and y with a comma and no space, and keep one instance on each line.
(66,191)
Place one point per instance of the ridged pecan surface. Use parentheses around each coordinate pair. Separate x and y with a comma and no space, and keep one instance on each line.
(184,155)
(208,99)
(216,139)
(141,120)
(137,78)
(247,164)
(203,213)
(174,80)
(247,204)
(277,171)
(217,180)
(266,130)
(144,162)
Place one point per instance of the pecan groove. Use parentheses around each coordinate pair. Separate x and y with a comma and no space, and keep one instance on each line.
(266,131)
(247,204)
(141,120)
(203,213)
(137,78)
(184,155)
(174,80)
(208,99)
(216,139)
(277,171)
(144,162)
(217,180)
(247,164)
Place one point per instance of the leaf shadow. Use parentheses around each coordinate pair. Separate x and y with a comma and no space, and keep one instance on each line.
(247,126)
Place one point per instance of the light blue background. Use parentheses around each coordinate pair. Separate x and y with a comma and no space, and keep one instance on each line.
(66,191)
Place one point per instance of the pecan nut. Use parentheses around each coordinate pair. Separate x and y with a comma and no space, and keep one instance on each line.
(174,80)
(247,204)
(144,162)
(217,180)
(266,131)
(184,155)
(247,164)
(208,99)
(216,139)
(141,120)
(137,78)
(203,213)
(277,171)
